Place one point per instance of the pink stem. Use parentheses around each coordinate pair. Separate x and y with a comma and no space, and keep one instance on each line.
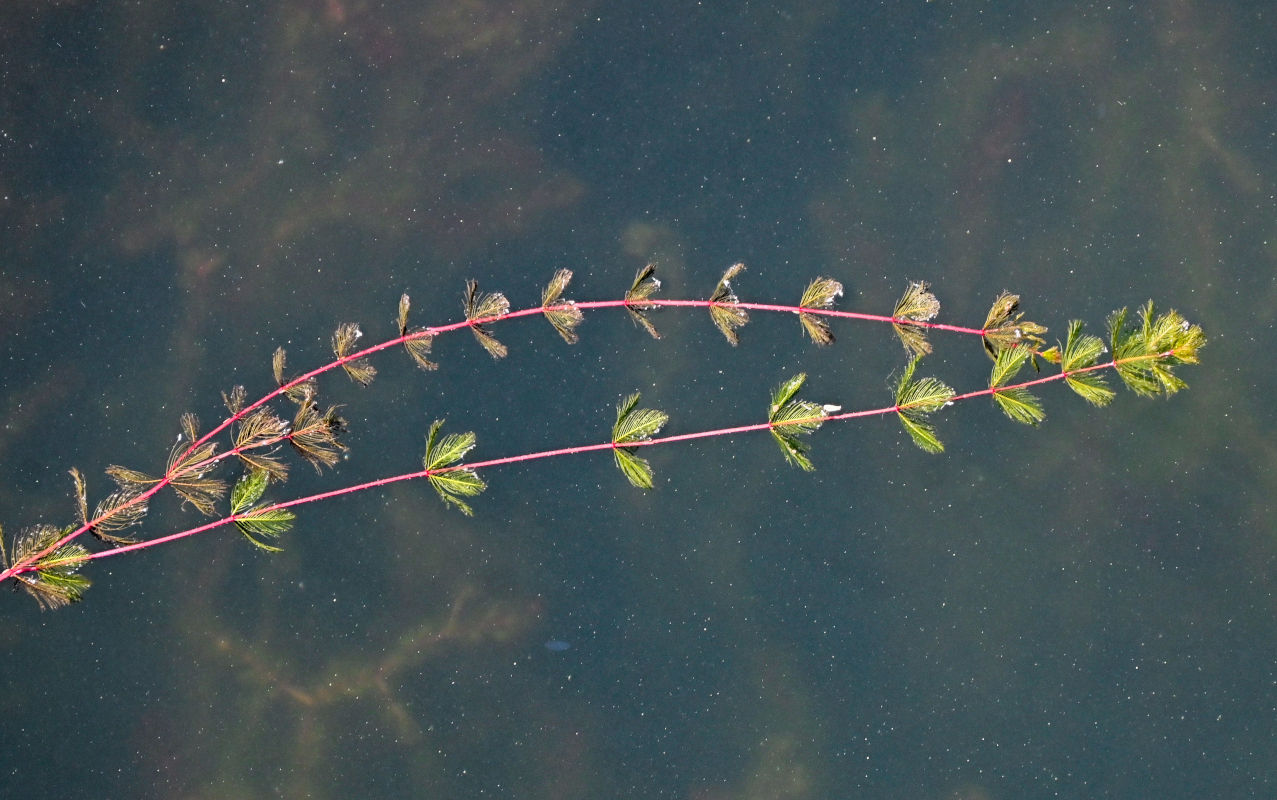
(563,451)
(26,565)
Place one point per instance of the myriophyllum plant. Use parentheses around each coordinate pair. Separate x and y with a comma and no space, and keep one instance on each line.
(46,560)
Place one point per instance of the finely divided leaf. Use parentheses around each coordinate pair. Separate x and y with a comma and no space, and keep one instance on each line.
(562,314)
(820,294)
(644,286)
(187,467)
(297,393)
(360,370)
(1006,364)
(55,582)
(416,341)
(635,469)
(723,309)
(452,482)
(1145,356)
(115,512)
(785,392)
(265,522)
(447,451)
(261,428)
(1020,405)
(1017,403)
(1081,351)
(792,418)
(235,399)
(1005,326)
(248,490)
(916,400)
(1091,387)
(633,425)
(922,432)
(255,521)
(482,308)
(915,305)
(81,496)
(314,433)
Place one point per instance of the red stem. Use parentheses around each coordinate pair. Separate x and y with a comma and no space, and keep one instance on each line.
(27,565)
(562,451)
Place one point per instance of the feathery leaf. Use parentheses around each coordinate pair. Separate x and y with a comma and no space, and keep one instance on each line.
(265,523)
(360,370)
(314,433)
(723,311)
(562,314)
(481,308)
(254,521)
(453,482)
(915,305)
(1020,405)
(917,400)
(792,418)
(819,294)
(634,425)
(1017,403)
(189,464)
(261,428)
(298,393)
(55,581)
(1146,354)
(644,286)
(1081,351)
(416,341)
(1005,326)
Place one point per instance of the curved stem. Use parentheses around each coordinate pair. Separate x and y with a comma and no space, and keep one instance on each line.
(27,564)
(559,452)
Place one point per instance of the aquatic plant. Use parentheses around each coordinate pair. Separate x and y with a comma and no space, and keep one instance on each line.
(46,560)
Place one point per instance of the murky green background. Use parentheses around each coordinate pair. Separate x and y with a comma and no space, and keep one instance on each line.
(1083,610)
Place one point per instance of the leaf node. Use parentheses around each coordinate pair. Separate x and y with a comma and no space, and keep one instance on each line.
(1081,352)
(1016,402)
(451,481)
(189,464)
(915,305)
(723,310)
(641,290)
(53,579)
(314,434)
(791,418)
(261,428)
(916,401)
(820,294)
(1146,354)
(258,521)
(360,370)
(298,393)
(481,308)
(416,341)
(562,314)
(1005,326)
(635,424)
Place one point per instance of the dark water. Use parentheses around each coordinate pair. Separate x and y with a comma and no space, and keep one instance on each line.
(1079,610)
